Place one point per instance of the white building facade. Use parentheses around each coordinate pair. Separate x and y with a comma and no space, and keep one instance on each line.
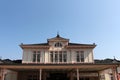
(58,59)
(58,50)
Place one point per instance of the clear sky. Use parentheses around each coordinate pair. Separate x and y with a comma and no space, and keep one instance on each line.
(82,21)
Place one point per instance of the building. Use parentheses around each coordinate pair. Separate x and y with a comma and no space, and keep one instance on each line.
(58,59)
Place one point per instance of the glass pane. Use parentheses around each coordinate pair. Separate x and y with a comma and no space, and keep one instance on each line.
(82,57)
(56,57)
(78,57)
(64,57)
(34,57)
(51,57)
(60,57)
(58,44)
(38,57)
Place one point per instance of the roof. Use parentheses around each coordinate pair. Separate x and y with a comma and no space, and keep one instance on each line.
(69,44)
(77,44)
(35,46)
(80,46)
(38,44)
(46,45)
(58,38)
(1,61)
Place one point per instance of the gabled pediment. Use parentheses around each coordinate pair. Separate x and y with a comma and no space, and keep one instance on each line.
(58,38)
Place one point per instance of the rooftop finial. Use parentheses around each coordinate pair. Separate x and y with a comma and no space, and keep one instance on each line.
(114,60)
(58,34)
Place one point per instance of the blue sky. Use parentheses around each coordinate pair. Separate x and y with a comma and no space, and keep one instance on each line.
(82,21)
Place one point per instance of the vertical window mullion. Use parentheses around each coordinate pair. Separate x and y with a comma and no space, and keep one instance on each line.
(58,56)
(79,57)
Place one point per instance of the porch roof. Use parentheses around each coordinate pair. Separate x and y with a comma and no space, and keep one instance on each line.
(80,66)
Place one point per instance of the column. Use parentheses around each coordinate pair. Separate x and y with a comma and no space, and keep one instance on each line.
(40,74)
(3,74)
(48,54)
(44,57)
(114,73)
(71,75)
(98,75)
(77,74)
(44,75)
(53,57)
(70,56)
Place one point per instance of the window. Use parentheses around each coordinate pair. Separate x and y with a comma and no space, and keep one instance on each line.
(36,56)
(58,56)
(51,56)
(64,56)
(80,56)
(58,44)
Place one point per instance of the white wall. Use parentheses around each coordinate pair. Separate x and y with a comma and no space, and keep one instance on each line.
(46,57)
(118,69)
(28,55)
(11,75)
(71,55)
(88,55)
(106,73)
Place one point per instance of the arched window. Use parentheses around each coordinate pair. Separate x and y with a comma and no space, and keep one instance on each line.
(58,44)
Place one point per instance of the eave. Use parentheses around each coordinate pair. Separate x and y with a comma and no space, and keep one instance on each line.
(80,47)
(34,47)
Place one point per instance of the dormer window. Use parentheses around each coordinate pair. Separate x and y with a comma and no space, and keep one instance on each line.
(58,44)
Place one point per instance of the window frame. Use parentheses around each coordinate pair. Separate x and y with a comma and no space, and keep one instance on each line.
(36,57)
(58,56)
(80,56)
(58,44)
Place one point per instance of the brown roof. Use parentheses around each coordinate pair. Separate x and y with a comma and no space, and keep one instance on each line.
(58,38)
(38,44)
(77,44)
(35,46)
(46,44)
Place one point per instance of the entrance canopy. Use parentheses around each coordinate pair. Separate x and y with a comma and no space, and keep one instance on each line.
(80,66)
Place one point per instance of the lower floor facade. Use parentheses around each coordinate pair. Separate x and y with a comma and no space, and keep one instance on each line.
(56,75)
(59,72)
